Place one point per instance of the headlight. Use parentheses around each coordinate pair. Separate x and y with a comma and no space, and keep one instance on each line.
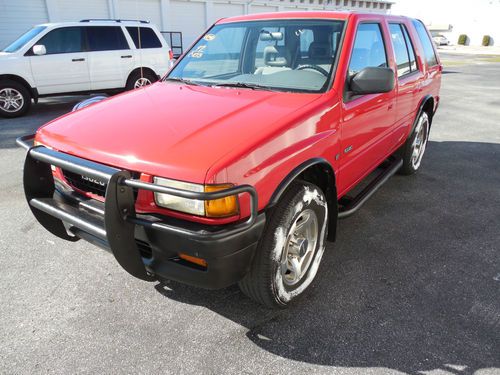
(222,207)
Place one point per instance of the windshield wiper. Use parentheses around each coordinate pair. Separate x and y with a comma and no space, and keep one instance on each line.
(183,80)
(243,85)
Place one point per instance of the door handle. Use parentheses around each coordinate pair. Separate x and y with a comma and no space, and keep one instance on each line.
(127,57)
(76,60)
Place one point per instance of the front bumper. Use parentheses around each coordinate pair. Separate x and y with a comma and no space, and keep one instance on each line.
(146,246)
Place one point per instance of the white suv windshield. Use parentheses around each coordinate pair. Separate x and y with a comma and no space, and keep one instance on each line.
(23,39)
(288,55)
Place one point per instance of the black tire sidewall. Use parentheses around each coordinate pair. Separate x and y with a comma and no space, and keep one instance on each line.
(23,91)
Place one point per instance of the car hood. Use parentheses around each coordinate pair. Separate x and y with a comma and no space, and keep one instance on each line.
(170,129)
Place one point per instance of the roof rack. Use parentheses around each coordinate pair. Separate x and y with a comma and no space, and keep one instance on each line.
(112,20)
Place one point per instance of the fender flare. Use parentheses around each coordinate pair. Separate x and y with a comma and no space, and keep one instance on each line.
(423,102)
(331,193)
(15,77)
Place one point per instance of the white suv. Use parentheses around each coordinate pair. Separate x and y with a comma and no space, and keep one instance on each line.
(80,57)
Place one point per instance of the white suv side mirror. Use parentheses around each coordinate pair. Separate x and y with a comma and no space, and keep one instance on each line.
(39,49)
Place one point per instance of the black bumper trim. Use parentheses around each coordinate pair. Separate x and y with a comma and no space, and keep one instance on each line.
(116,227)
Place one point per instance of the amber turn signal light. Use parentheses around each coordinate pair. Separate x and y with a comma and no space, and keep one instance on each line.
(192,259)
(222,207)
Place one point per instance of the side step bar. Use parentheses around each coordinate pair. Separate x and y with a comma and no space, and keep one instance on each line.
(355,203)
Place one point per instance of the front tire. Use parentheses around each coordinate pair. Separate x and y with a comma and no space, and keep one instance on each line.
(291,248)
(414,148)
(15,99)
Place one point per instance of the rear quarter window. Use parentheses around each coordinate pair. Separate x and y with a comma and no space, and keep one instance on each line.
(425,40)
(144,37)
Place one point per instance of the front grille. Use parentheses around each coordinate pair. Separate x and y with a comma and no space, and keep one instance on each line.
(90,185)
(85,184)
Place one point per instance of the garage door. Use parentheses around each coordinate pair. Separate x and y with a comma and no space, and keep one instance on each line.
(262,9)
(17,16)
(148,10)
(294,9)
(223,10)
(78,10)
(188,17)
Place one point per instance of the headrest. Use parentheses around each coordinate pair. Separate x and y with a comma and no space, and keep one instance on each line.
(320,50)
(276,57)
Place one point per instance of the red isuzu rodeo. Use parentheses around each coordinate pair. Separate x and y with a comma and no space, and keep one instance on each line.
(236,166)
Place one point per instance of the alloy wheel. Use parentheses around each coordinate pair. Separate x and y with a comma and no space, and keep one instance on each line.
(300,247)
(11,100)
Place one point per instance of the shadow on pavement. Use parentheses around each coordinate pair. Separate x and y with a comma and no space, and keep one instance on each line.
(46,110)
(412,283)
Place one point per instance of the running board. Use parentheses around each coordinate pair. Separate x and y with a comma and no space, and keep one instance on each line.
(351,205)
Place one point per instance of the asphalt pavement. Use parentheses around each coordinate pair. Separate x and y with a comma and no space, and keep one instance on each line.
(412,284)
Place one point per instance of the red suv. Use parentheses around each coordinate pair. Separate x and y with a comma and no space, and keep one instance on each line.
(237,165)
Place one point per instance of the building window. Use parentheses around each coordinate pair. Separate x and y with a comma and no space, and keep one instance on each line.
(353,3)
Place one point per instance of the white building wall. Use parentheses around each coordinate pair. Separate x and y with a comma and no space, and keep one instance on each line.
(191,17)
(147,9)
(17,16)
(64,10)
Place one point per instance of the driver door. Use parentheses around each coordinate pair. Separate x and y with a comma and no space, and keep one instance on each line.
(64,67)
(367,120)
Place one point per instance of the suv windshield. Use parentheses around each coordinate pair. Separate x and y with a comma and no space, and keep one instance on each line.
(23,39)
(286,55)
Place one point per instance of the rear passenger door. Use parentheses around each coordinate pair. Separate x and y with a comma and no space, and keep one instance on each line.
(150,50)
(110,57)
(367,120)
(409,77)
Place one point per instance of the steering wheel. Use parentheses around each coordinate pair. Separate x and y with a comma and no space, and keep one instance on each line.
(314,67)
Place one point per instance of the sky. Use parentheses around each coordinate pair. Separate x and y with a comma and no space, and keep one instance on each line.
(445,11)
(473,17)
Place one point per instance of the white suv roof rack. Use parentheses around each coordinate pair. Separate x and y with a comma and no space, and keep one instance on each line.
(111,20)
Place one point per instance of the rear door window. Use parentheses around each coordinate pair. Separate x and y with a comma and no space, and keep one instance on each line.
(63,40)
(400,50)
(106,38)
(403,49)
(411,49)
(430,55)
(144,37)
(369,48)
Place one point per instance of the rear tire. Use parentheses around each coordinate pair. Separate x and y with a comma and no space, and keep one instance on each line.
(290,249)
(136,80)
(15,99)
(414,148)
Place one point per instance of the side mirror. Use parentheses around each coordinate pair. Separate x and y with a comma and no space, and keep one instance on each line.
(39,50)
(372,80)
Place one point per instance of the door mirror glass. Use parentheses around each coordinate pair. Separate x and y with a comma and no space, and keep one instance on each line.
(372,80)
(39,50)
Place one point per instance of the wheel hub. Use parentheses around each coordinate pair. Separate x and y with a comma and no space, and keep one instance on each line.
(141,82)
(300,247)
